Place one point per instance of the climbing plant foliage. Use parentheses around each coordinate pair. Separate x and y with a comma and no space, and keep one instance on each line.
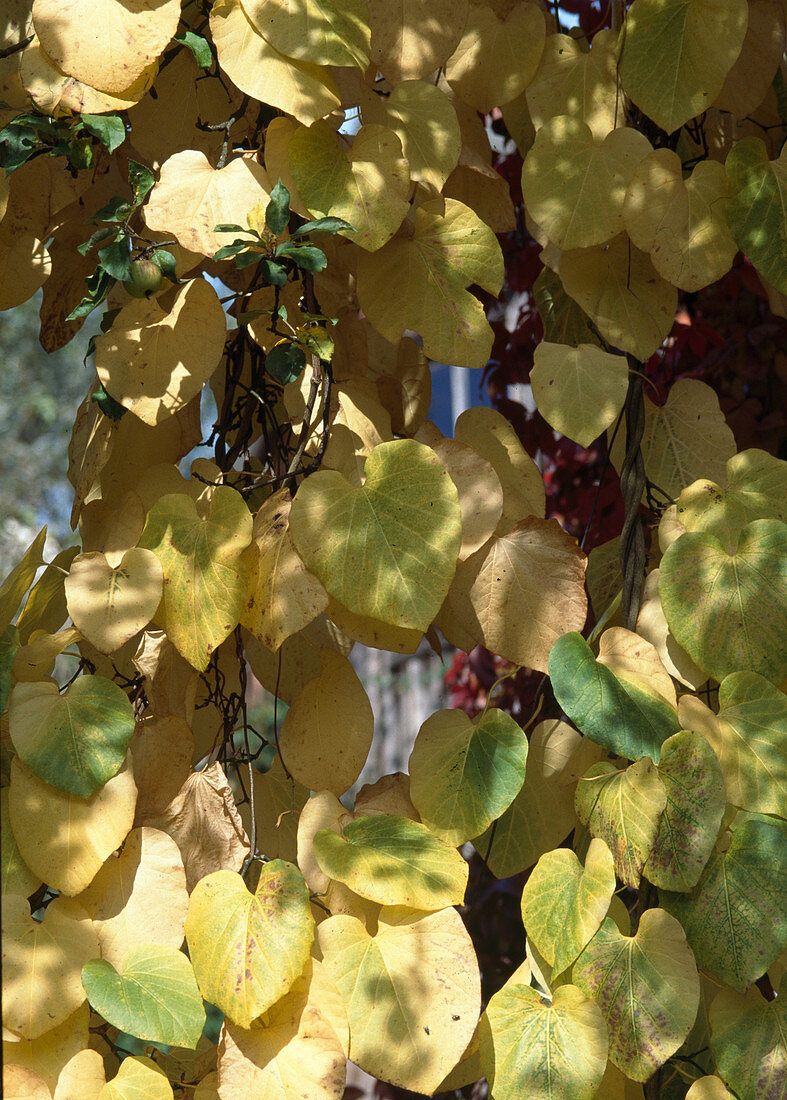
(290,208)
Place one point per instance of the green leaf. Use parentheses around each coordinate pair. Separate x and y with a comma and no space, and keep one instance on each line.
(624,809)
(285,361)
(99,283)
(387,550)
(109,129)
(75,741)
(273,273)
(647,988)
(166,261)
(227,251)
(117,209)
(393,861)
(735,917)
(20,578)
(115,259)
(305,256)
(154,997)
(756,207)
(141,179)
(564,321)
(107,404)
(248,949)
(96,238)
(729,610)
(563,904)
(624,716)
(199,46)
(465,774)
(747,1038)
(277,212)
(554,1051)
(696,800)
(9,644)
(230,227)
(18,143)
(323,225)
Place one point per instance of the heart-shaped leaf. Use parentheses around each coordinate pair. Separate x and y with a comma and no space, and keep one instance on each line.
(755,209)
(328,32)
(154,996)
(579,391)
(248,949)
(747,1041)
(75,741)
(109,606)
(388,550)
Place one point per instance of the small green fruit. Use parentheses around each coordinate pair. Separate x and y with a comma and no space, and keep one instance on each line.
(145,279)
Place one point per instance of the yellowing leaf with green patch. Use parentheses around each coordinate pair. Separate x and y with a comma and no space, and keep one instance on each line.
(563,904)
(747,1041)
(393,861)
(413,38)
(137,1079)
(327,732)
(757,190)
(367,184)
(160,352)
(248,949)
(42,962)
(577,81)
(676,53)
(465,774)
(283,596)
(647,988)
(109,606)
(422,117)
(496,57)
(324,32)
(192,197)
(138,897)
(301,89)
(437,260)
(388,550)
(153,996)
(64,839)
(579,391)
(696,801)
(125,37)
(75,741)
(624,809)
(620,290)
(748,735)
(574,186)
(555,1050)
(201,549)
(521,591)
(412,992)
(728,610)
(681,223)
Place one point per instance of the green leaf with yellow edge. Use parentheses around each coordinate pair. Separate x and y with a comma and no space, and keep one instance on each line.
(387,550)
(647,988)
(20,578)
(748,736)
(681,223)
(756,207)
(75,741)
(138,1078)
(675,55)
(624,809)
(619,289)
(577,81)
(574,187)
(248,949)
(696,800)
(444,254)
(735,916)
(367,185)
(324,32)
(425,122)
(154,995)
(465,774)
(729,610)
(555,1050)
(563,904)
(200,545)
(412,992)
(579,391)
(747,1038)
(393,861)
(625,715)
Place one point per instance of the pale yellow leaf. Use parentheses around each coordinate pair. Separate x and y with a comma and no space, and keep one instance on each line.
(497,57)
(748,81)
(572,80)
(50,1052)
(138,1078)
(632,659)
(413,38)
(373,632)
(170,681)
(278,802)
(325,32)
(285,673)
(55,92)
(112,527)
(579,391)
(652,625)
(24,267)
(82,1077)
(109,606)
(21,1083)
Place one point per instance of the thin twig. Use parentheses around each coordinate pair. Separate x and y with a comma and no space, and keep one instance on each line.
(9,51)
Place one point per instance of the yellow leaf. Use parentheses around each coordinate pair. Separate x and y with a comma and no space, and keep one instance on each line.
(82,1078)
(572,80)
(55,93)
(496,58)
(49,1053)
(325,32)
(42,964)
(20,1083)
(277,161)
(124,37)
(748,81)
(170,681)
(109,606)
(412,992)
(579,391)
(112,528)
(16,584)
(446,253)
(278,802)
(652,625)
(65,839)
(24,267)
(287,672)
(479,186)
(137,1079)
(191,198)
(17,878)
(160,352)
(322,811)
(327,732)
(413,38)
(634,660)
(426,124)
(301,89)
